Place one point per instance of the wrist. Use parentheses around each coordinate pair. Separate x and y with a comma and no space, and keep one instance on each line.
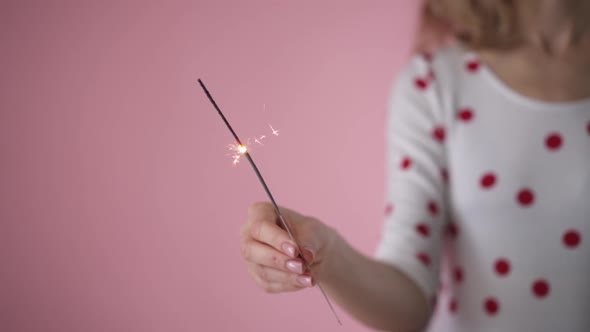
(332,254)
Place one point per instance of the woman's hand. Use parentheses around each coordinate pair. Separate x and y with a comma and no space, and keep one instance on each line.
(375,293)
(273,258)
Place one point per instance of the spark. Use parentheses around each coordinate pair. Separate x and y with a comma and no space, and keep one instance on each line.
(258,140)
(274,132)
(237,151)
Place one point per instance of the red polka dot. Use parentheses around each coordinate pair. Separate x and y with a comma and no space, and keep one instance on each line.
(465,115)
(406,163)
(540,288)
(458,274)
(488,180)
(423,230)
(424,258)
(444,174)
(433,208)
(572,238)
(553,141)
(388,209)
(453,305)
(439,133)
(427,56)
(421,83)
(491,306)
(452,229)
(525,197)
(472,65)
(502,267)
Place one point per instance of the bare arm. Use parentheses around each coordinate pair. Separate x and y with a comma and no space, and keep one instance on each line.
(375,293)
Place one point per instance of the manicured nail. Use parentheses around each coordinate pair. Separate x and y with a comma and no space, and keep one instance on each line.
(304,281)
(295,266)
(288,249)
(307,254)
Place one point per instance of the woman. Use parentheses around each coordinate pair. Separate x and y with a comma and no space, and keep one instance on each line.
(488,189)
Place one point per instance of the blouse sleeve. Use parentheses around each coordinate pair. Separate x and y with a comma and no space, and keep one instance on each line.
(416,177)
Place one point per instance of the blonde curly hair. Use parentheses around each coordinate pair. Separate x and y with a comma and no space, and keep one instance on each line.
(476,24)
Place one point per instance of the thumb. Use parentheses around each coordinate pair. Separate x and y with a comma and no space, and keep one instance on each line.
(309,234)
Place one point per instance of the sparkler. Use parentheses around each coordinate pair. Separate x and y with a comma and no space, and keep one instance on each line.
(241,149)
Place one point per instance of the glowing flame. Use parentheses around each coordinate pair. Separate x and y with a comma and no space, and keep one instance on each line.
(237,151)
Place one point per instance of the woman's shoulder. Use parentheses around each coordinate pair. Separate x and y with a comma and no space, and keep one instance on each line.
(438,77)
(445,64)
(436,80)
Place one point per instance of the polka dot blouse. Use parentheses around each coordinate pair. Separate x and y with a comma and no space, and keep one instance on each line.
(488,199)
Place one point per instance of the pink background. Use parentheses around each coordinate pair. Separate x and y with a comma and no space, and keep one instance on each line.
(119,208)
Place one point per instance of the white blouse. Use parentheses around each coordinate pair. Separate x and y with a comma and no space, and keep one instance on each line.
(488,199)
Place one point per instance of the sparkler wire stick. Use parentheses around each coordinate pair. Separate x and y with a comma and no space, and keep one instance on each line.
(268,193)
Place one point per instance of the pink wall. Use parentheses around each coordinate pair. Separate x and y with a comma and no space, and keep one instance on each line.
(119,208)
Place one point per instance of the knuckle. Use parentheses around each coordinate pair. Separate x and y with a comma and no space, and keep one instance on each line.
(268,288)
(256,229)
(244,230)
(277,262)
(246,251)
(256,208)
(263,274)
(261,283)
(276,238)
(253,274)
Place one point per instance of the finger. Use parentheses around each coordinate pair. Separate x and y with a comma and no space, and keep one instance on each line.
(267,211)
(262,228)
(308,254)
(262,211)
(262,254)
(304,232)
(275,287)
(274,281)
(268,274)
(270,282)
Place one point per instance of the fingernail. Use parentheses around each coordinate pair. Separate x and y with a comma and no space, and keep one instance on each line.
(307,254)
(288,249)
(304,281)
(295,266)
